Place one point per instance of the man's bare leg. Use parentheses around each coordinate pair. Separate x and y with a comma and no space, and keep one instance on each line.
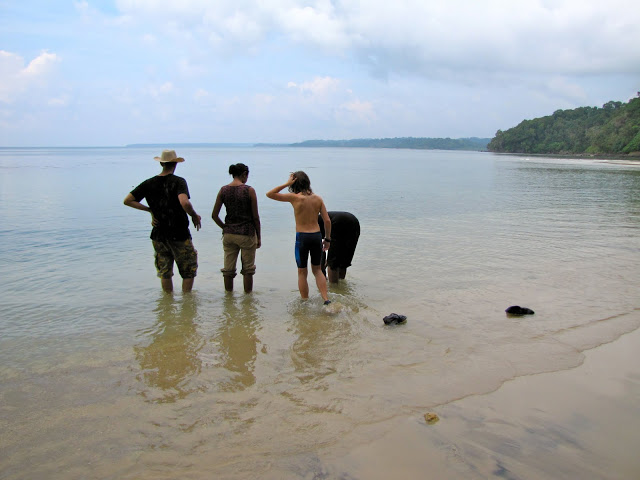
(342,272)
(167,284)
(187,284)
(321,281)
(247,281)
(303,286)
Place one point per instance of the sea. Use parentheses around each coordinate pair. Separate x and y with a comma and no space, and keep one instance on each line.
(102,375)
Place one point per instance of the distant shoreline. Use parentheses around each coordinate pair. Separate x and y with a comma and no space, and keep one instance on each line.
(416,143)
(181,145)
(631,159)
(472,144)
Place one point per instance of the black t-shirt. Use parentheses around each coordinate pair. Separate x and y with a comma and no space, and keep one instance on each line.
(162,193)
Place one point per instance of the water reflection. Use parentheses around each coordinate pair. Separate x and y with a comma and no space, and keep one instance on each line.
(237,341)
(324,337)
(170,361)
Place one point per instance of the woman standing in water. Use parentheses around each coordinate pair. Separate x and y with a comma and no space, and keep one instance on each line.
(241,226)
(309,242)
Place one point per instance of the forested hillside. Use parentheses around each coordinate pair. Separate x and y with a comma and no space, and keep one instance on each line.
(612,129)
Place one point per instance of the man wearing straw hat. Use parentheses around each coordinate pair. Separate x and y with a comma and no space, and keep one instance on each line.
(168,199)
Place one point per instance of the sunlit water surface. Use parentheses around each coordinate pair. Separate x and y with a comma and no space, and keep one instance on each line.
(104,376)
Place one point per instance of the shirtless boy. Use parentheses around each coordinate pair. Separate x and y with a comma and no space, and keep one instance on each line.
(306,207)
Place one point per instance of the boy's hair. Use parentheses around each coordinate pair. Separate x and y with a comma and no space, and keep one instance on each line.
(302,183)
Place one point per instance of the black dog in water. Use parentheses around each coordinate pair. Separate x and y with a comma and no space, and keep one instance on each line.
(516,310)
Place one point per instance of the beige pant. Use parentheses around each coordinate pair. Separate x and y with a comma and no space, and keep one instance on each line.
(233,245)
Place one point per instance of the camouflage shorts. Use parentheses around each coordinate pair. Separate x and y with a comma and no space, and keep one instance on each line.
(180,251)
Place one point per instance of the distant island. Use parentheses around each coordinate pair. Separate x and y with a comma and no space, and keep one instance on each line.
(472,143)
(186,145)
(613,129)
(423,143)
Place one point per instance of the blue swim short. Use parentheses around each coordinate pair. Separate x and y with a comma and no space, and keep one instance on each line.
(308,243)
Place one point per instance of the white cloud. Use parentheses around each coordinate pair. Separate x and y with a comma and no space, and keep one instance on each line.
(188,68)
(262,99)
(149,39)
(422,36)
(318,87)
(83,8)
(356,112)
(61,101)
(564,87)
(159,90)
(16,78)
(459,67)
(317,25)
(200,94)
(242,27)
(41,65)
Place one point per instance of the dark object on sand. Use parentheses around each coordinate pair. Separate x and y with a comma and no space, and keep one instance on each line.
(516,310)
(394,319)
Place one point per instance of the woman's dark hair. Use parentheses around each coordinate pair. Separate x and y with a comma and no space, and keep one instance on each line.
(238,169)
(302,183)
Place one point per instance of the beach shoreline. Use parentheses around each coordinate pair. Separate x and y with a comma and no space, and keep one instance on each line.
(577,423)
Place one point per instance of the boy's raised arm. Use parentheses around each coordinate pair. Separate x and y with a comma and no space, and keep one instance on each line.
(275,194)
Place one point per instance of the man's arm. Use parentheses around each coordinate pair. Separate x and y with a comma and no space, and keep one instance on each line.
(187,207)
(275,194)
(130,201)
(256,216)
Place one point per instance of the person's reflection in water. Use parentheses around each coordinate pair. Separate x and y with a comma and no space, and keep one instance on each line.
(170,362)
(237,341)
(323,340)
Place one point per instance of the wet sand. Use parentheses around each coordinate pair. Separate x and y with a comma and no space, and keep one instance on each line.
(578,423)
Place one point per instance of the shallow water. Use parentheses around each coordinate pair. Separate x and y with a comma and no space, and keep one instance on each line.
(103,376)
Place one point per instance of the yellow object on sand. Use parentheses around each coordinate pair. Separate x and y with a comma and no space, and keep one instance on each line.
(431,418)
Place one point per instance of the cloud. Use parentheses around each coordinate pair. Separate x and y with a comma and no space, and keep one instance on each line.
(17,79)
(61,101)
(40,65)
(188,68)
(201,94)
(318,87)
(282,70)
(318,25)
(356,112)
(563,87)
(156,91)
(149,39)
(425,37)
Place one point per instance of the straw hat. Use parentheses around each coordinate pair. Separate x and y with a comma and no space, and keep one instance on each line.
(168,156)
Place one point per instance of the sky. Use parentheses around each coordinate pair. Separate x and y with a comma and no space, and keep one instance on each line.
(113,73)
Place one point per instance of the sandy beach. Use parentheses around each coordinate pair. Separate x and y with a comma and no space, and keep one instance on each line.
(577,423)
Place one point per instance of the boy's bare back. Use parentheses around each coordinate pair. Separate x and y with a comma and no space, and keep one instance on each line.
(306,206)
(306,209)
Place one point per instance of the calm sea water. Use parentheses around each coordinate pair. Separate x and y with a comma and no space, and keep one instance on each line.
(104,376)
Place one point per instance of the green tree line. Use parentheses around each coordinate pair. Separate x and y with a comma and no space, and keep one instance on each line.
(612,129)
